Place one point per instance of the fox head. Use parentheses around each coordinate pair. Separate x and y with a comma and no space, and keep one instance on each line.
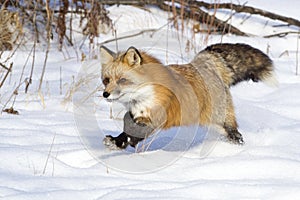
(123,74)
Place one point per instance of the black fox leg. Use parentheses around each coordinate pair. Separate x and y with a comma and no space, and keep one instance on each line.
(234,135)
(121,141)
(132,134)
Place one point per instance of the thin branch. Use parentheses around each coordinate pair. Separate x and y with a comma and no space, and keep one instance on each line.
(49,153)
(32,66)
(13,93)
(2,65)
(127,36)
(48,29)
(297,54)
(153,30)
(6,75)
(282,34)
(21,77)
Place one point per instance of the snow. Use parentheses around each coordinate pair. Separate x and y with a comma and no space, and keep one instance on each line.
(53,149)
(284,8)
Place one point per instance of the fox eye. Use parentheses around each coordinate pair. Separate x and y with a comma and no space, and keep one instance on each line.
(122,81)
(105,81)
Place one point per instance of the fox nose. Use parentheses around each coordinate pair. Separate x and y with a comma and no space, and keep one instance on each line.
(105,94)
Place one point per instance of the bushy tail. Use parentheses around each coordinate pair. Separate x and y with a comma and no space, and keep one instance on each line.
(242,62)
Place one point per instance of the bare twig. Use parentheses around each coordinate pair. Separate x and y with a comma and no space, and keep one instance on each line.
(28,82)
(282,34)
(8,71)
(127,36)
(153,30)
(297,54)
(116,37)
(49,153)
(2,65)
(61,22)
(21,77)
(13,93)
(36,31)
(48,28)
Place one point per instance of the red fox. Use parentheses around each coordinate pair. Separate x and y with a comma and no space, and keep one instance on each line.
(159,96)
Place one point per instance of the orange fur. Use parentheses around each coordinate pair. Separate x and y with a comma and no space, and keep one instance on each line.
(180,96)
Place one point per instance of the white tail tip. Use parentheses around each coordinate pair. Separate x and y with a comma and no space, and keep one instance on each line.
(271,80)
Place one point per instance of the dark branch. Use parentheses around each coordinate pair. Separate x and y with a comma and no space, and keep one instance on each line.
(282,34)
(251,10)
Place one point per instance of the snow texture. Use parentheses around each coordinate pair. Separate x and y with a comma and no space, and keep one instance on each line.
(54,150)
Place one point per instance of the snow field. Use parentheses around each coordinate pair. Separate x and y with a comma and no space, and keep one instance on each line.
(43,153)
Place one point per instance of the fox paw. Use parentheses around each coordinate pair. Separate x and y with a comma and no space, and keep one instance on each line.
(236,138)
(142,121)
(110,142)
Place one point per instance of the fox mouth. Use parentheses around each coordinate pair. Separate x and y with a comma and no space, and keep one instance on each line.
(115,99)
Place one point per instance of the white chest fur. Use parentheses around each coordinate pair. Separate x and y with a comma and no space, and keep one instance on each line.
(141,102)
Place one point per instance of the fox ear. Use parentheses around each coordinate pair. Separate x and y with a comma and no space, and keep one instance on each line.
(106,55)
(133,57)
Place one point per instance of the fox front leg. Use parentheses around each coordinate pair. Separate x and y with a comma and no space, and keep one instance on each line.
(142,121)
(140,115)
(121,141)
(131,135)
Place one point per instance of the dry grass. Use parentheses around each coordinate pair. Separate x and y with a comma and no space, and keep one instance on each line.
(10,27)
(36,16)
